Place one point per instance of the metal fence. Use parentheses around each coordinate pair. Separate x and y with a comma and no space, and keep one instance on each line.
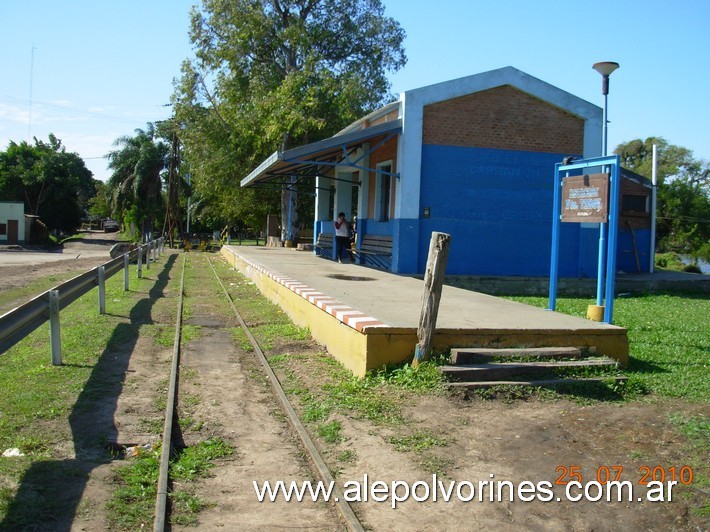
(21,321)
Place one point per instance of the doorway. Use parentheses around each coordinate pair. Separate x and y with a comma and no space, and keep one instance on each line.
(12,231)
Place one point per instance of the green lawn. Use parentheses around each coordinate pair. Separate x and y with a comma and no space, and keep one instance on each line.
(669,340)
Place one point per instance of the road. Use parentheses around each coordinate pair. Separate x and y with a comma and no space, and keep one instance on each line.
(92,245)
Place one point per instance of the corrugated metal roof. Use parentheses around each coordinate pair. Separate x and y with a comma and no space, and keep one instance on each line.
(282,163)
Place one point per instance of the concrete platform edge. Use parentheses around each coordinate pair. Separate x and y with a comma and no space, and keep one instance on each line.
(361,342)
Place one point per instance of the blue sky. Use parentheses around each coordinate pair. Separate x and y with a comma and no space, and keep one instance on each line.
(102,69)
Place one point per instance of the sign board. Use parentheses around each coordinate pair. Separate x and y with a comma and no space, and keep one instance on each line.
(585,198)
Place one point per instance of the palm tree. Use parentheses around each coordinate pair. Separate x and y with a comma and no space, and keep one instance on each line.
(136,179)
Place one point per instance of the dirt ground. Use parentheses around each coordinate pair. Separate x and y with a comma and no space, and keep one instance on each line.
(19,268)
(519,440)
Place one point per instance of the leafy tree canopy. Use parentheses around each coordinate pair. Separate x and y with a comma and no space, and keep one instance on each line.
(54,184)
(135,184)
(683,214)
(273,74)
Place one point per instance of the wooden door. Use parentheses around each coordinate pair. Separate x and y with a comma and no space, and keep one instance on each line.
(12,227)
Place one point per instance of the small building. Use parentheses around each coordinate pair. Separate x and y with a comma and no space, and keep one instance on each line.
(473,157)
(12,222)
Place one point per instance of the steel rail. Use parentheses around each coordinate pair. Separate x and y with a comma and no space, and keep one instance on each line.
(346,512)
(166,450)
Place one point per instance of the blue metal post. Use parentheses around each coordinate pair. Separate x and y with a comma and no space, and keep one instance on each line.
(555,252)
(602,226)
(613,239)
(289,235)
(607,259)
(600,263)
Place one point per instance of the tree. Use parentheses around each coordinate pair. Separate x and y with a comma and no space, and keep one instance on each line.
(273,74)
(53,184)
(136,183)
(683,215)
(100,204)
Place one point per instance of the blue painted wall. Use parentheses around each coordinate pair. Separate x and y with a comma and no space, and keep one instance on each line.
(632,247)
(497,205)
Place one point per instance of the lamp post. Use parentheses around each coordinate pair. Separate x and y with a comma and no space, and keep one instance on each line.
(605,68)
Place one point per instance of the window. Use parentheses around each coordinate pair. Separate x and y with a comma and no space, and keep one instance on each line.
(3,229)
(634,203)
(384,191)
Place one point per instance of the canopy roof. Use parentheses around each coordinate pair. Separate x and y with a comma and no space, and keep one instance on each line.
(281,166)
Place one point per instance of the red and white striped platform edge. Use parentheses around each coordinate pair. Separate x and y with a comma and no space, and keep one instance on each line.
(347,315)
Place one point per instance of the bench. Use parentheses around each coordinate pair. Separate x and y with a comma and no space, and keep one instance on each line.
(324,245)
(376,251)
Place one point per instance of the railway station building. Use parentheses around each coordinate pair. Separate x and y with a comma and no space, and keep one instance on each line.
(473,157)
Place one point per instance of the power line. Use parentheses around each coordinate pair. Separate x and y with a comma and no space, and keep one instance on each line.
(153,109)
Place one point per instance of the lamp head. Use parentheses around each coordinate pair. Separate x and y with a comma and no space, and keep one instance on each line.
(605,68)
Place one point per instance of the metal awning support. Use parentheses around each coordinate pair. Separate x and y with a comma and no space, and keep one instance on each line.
(334,151)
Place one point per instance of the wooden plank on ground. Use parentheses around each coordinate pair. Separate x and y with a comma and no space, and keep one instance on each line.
(533,383)
(468,355)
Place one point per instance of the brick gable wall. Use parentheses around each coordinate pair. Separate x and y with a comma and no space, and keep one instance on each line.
(503,118)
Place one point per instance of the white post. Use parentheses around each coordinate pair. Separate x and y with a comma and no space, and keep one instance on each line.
(102,290)
(140,262)
(147,256)
(126,262)
(54,331)
(155,246)
(654,192)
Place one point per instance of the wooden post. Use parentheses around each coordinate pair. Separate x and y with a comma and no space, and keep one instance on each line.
(433,283)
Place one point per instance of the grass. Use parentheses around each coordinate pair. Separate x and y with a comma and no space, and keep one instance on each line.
(669,339)
(133,503)
(11,297)
(697,431)
(44,407)
(669,336)
(417,442)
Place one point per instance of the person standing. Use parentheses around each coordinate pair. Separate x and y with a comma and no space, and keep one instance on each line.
(342,236)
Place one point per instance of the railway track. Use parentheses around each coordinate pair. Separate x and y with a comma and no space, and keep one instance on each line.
(222,375)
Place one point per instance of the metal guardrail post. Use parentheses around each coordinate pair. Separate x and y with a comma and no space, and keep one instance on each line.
(126,262)
(21,321)
(147,256)
(155,245)
(102,290)
(140,262)
(54,331)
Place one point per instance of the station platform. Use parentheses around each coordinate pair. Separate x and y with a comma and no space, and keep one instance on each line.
(367,318)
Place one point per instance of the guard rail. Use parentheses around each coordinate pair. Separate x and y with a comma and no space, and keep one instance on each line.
(19,322)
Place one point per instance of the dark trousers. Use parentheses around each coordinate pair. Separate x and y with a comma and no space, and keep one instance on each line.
(342,243)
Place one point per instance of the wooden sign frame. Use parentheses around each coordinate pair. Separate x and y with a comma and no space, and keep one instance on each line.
(585,198)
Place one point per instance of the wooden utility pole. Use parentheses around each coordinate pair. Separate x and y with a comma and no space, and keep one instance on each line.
(433,283)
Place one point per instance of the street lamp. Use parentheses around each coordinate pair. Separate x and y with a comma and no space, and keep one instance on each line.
(605,68)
